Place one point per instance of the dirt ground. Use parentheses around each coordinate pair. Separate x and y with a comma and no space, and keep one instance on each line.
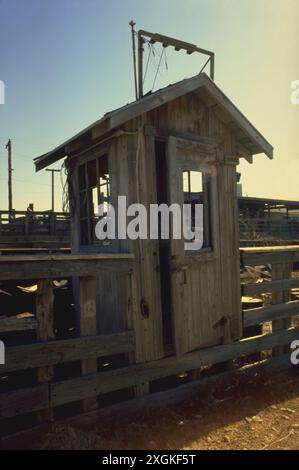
(260,412)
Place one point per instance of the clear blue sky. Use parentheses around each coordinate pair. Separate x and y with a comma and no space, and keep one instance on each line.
(67,62)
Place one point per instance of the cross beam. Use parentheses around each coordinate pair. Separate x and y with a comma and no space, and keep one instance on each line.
(167,41)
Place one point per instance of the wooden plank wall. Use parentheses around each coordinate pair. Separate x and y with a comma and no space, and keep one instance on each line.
(115,308)
(147,321)
(212,291)
(212,288)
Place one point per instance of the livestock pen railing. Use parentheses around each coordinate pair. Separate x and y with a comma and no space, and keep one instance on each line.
(88,387)
(279,286)
(276,229)
(34,224)
(45,352)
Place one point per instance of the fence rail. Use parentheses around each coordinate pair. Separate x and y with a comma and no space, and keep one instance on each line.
(46,352)
(281,261)
(275,228)
(33,224)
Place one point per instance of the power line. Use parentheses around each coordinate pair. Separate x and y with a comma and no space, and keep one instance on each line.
(148,59)
(162,53)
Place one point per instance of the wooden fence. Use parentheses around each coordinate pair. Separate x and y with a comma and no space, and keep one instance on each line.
(34,224)
(276,229)
(86,388)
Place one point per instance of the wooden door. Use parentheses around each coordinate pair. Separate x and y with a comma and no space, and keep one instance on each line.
(195,274)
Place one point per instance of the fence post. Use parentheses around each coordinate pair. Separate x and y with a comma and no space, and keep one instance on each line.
(52,223)
(88,326)
(281,271)
(26,224)
(44,318)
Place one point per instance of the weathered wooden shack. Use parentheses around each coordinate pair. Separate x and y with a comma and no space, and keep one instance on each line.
(180,143)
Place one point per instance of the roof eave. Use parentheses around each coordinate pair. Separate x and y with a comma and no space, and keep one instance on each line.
(117,118)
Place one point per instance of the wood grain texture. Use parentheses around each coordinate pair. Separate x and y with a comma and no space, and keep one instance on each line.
(56,352)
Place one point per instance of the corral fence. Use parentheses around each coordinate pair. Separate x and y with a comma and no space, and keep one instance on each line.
(33,223)
(276,229)
(52,390)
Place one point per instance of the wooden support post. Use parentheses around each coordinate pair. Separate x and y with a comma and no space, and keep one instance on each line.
(140,65)
(143,388)
(44,318)
(88,326)
(281,271)
(26,225)
(52,223)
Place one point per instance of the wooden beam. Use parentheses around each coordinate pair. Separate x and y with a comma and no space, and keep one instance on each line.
(61,266)
(88,326)
(104,382)
(17,324)
(56,352)
(44,318)
(253,289)
(281,271)
(84,387)
(270,257)
(176,395)
(26,439)
(169,41)
(24,401)
(257,316)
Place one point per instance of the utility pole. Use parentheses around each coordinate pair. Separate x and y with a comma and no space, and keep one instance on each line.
(10,170)
(132,24)
(53,171)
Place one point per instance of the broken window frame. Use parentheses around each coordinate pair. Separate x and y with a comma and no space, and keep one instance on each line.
(87,215)
(206,201)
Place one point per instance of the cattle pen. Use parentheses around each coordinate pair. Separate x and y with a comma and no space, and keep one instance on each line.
(146,319)
(107,376)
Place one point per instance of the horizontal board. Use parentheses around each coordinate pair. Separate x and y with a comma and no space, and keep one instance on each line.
(36,398)
(174,396)
(104,382)
(24,401)
(55,352)
(265,287)
(255,259)
(17,324)
(255,316)
(46,267)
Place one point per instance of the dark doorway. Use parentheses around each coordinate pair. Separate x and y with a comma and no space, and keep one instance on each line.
(164,247)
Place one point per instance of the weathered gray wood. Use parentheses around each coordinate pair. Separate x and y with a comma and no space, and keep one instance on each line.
(255,142)
(273,286)
(104,382)
(44,310)
(17,324)
(44,318)
(57,266)
(84,387)
(257,316)
(281,271)
(24,401)
(25,439)
(88,326)
(259,258)
(176,395)
(56,352)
